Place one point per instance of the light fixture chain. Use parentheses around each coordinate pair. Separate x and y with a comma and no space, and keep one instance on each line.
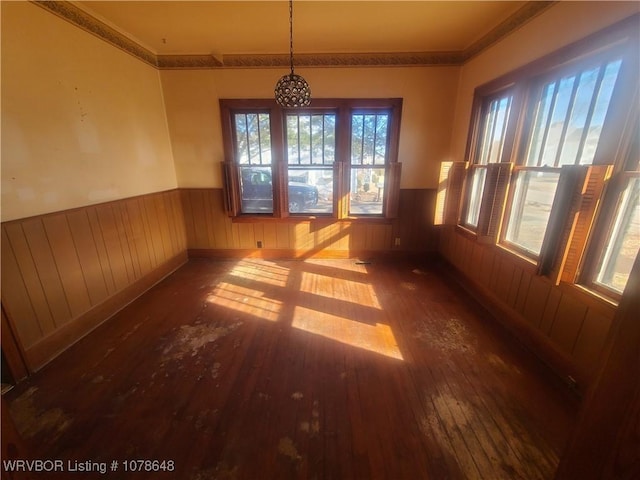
(291,34)
(292,90)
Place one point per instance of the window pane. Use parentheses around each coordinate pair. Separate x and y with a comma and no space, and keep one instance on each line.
(531,207)
(367,188)
(600,111)
(543,107)
(569,115)
(621,251)
(253,138)
(311,144)
(310,190)
(256,189)
(495,127)
(311,139)
(475,196)
(369,135)
(578,117)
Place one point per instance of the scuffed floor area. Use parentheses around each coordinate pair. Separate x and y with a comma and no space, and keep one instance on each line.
(317,369)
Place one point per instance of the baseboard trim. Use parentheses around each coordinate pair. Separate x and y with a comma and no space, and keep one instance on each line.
(41,353)
(289,254)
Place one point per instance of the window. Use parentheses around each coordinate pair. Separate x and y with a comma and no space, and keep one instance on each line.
(253,147)
(311,154)
(619,253)
(615,252)
(337,158)
(493,123)
(547,177)
(568,114)
(369,139)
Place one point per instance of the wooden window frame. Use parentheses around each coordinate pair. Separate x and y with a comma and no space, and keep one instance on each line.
(578,222)
(482,101)
(343,109)
(585,269)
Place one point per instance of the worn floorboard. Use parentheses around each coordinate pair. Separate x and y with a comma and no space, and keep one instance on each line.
(316,369)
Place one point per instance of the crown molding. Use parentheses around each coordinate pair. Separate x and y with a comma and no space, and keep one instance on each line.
(169,62)
(87,22)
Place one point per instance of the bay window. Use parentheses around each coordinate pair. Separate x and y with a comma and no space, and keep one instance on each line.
(551,171)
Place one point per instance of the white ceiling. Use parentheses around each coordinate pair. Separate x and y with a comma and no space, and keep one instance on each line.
(262,27)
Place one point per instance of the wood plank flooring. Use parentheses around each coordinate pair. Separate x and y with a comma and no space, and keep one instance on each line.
(316,369)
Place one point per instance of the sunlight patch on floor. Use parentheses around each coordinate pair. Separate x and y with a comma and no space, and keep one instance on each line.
(376,338)
(247,300)
(360,293)
(261,271)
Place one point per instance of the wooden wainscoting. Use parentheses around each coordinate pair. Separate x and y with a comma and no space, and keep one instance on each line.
(210,232)
(66,272)
(565,328)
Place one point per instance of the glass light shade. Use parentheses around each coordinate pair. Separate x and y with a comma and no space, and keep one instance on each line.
(293,91)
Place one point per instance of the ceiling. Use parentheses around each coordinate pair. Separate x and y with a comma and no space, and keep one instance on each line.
(336,27)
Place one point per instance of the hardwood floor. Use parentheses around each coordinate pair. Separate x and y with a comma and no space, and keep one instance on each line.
(317,369)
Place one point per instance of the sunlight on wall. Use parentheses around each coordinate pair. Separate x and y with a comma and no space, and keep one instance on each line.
(376,338)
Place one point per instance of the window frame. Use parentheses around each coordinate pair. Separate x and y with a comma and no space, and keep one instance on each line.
(611,199)
(620,40)
(534,87)
(343,109)
(483,101)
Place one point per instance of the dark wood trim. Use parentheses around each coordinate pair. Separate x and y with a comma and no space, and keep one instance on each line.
(48,348)
(603,442)
(12,350)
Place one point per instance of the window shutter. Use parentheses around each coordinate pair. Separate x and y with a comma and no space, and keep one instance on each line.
(493,201)
(231,190)
(449,193)
(393,190)
(582,215)
(560,222)
(572,213)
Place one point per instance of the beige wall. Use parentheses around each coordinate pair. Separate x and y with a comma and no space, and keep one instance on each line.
(82,121)
(560,25)
(192,98)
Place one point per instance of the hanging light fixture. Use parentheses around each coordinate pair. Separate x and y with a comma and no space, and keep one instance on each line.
(292,90)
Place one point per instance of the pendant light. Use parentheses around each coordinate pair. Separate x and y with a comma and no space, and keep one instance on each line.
(292,90)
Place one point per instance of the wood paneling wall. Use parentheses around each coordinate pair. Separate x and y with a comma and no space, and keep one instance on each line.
(211,232)
(66,272)
(565,327)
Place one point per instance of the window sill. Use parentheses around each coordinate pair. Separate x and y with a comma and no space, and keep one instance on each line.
(466,232)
